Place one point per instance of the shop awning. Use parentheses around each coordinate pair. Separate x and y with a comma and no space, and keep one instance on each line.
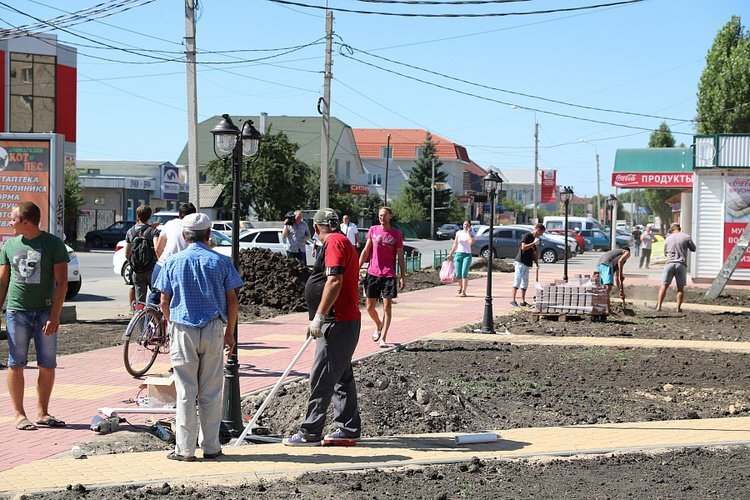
(667,168)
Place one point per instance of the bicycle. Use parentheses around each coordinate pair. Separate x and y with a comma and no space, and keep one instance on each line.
(145,337)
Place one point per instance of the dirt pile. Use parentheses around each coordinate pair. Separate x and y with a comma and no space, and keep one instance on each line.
(272,280)
(497,265)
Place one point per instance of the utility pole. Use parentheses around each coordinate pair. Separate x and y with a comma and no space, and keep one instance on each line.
(598,189)
(326,112)
(387,158)
(192,97)
(536,170)
(432,202)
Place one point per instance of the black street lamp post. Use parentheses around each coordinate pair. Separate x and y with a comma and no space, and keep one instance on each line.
(491,182)
(231,145)
(566,195)
(612,203)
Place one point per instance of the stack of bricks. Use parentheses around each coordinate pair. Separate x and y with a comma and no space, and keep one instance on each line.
(582,294)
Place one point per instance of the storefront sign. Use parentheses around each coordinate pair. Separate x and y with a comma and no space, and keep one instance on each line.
(24,176)
(549,183)
(359,189)
(170,182)
(652,180)
(736,214)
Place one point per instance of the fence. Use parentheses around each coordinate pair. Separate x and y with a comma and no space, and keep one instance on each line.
(90,220)
(412,262)
(438,256)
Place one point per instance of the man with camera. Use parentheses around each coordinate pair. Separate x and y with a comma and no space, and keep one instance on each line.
(296,232)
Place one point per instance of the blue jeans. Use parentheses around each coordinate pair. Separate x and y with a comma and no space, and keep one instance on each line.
(155,295)
(22,327)
(300,256)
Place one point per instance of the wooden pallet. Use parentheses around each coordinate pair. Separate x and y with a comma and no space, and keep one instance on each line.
(563,317)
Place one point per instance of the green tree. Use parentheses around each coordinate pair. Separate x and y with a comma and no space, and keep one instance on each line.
(656,198)
(407,208)
(343,203)
(274,181)
(420,182)
(73,202)
(724,88)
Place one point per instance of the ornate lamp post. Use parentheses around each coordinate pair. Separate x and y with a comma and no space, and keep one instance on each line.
(231,145)
(491,182)
(566,195)
(612,203)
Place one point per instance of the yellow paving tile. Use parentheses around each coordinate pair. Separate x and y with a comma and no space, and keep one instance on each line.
(80,391)
(275,459)
(4,418)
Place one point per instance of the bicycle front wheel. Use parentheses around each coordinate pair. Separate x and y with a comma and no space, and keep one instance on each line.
(143,339)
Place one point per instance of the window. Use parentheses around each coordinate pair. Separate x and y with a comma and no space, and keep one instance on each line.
(336,167)
(386,152)
(374,179)
(348,169)
(249,238)
(505,233)
(32,93)
(267,237)
(417,152)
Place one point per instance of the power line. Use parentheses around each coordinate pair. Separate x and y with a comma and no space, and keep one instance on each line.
(442,2)
(495,14)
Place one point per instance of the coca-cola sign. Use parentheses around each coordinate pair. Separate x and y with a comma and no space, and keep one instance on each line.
(652,179)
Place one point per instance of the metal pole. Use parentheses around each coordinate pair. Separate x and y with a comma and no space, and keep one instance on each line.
(231,417)
(565,262)
(613,226)
(487,319)
(432,202)
(326,135)
(598,189)
(387,157)
(192,98)
(536,170)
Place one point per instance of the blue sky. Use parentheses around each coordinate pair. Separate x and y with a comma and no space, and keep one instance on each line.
(645,57)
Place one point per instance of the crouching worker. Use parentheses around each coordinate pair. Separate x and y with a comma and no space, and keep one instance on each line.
(610,268)
(199,300)
(333,301)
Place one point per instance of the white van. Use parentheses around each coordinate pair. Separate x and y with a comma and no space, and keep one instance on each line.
(574,223)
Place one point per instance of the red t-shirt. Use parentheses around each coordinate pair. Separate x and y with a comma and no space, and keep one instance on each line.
(342,258)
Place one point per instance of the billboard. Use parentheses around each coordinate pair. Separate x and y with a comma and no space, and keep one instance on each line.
(549,186)
(29,172)
(736,214)
(652,180)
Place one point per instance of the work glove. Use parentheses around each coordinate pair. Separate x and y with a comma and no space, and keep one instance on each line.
(315,329)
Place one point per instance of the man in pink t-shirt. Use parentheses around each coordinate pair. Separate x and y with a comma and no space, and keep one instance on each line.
(384,245)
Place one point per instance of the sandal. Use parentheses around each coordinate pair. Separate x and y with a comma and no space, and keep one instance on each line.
(25,425)
(383,344)
(376,335)
(50,421)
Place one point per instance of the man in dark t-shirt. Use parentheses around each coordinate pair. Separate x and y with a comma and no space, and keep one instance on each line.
(332,298)
(635,240)
(526,257)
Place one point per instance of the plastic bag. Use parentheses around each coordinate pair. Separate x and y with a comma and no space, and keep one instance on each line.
(447,272)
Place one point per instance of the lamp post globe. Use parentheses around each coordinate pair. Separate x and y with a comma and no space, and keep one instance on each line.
(231,144)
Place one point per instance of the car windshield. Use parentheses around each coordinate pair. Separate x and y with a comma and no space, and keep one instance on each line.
(220,240)
(163,218)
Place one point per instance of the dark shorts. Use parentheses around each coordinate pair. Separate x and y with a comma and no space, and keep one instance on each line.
(376,286)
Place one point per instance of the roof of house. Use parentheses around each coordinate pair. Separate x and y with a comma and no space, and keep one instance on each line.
(210,194)
(404,143)
(654,160)
(306,131)
(516,175)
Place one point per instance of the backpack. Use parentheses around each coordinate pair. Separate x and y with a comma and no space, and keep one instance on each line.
(142,253)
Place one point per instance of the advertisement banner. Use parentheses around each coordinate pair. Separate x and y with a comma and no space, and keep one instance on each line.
(24,176)
(736,214)
(652,180)
(549,186)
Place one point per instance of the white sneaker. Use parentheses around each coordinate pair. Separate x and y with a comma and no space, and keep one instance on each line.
(376,335)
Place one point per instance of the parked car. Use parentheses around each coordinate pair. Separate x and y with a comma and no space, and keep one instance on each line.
(109,236)
(270,238)
(120,266)
(223,226)
(507,239)
(74,274)
(580,240)
(572,243)
(164,216)
(447,231)
(600,241)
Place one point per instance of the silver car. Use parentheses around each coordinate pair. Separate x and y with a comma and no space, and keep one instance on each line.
(507,240)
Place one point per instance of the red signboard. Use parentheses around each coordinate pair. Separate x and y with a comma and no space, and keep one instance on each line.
(549,183)
(652,180)
(359,189)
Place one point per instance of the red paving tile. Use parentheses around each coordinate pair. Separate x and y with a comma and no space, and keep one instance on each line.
(416,314)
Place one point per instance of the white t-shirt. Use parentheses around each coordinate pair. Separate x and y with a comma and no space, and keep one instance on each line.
(172,231)
(463,239)
(350,231)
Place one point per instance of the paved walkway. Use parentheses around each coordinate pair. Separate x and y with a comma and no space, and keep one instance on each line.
(256,461)
(89,381)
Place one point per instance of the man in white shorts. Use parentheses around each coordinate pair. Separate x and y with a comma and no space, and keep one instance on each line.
(527,256)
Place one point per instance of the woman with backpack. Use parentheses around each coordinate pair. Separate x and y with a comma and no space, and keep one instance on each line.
(139,250)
